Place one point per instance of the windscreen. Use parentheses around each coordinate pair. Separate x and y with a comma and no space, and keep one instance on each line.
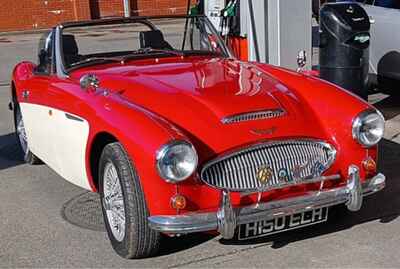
(166,37)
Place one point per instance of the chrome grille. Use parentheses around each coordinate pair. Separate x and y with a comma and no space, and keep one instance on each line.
(258,115)
(289,161)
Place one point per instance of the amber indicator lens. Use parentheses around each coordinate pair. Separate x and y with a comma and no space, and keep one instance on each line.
(370,166)
(178,202)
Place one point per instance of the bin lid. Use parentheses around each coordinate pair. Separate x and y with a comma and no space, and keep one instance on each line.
(351,17)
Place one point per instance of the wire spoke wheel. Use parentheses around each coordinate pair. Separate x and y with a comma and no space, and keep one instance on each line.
(124,207)
(22,137)
(22,133)
(113,201)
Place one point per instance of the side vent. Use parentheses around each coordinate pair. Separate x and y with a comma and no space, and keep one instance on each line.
(258,115)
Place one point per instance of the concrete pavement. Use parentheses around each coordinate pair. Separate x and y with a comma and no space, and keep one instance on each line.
(33,232)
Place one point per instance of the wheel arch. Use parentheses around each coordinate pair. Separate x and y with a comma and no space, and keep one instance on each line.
(99,141)
(142,135)
(13,92)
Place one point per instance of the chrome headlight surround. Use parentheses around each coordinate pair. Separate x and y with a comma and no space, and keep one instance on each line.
(176,161)
(368,128)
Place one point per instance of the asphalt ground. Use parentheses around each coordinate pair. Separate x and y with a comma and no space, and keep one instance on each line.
(34,232)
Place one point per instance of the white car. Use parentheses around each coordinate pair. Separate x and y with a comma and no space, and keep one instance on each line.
(385,45)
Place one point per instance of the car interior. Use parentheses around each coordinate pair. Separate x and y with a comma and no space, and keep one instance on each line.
(153,39)
(70,49)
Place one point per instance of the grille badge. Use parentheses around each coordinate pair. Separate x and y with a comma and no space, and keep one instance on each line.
(264,174)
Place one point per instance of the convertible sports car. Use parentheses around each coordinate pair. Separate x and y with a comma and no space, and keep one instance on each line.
(178,137)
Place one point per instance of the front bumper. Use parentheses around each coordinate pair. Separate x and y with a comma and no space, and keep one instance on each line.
(226,219)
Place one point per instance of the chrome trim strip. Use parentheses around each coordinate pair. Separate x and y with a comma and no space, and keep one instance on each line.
(60,70)
(72,117)
(212,166)
(200,222)
(256,115)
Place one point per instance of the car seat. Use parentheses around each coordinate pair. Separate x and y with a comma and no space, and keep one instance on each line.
(153,39)
(70,50)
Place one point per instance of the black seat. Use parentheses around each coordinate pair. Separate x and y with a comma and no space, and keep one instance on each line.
(153,39)
(70,50)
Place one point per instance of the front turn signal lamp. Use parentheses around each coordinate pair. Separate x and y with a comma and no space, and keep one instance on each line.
(369,166)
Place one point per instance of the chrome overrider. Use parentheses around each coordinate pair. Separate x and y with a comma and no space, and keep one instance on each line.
(226,219)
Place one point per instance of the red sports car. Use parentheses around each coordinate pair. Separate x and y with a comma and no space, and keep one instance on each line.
(178,136)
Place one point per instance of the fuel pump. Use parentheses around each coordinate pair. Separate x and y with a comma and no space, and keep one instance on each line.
(213,10)
(227,14)
(231,29)
(272,31)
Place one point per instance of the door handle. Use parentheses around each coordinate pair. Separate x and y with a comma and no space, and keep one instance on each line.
(25,94)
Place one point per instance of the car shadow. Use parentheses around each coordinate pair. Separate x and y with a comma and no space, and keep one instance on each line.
(383,207)
(389,106)
(10,152)
(171,245)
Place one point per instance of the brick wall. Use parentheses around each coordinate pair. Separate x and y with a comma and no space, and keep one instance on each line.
(106,8)
(37,14)
(160,7)
(18,15)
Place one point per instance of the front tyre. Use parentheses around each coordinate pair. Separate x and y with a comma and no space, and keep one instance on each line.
(22,140)
(124,208)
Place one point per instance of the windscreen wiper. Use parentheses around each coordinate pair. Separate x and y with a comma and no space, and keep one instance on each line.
(167,51)
(144,51)
(176,52)
(96,59)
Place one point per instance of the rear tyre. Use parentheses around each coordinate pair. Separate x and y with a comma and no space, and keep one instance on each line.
(124,207)
(22,140)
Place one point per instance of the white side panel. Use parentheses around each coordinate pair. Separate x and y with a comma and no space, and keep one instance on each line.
(59,139)
(36,120)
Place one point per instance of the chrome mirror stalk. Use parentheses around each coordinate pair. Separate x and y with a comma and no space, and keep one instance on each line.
(89,82)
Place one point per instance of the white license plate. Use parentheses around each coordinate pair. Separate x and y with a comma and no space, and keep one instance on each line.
(282,224)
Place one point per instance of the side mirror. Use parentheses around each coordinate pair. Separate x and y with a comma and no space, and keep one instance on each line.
(89,82)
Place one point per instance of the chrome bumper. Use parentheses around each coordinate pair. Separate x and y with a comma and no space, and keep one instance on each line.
(226,219)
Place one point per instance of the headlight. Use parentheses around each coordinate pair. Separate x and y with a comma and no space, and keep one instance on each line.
(176,161)
(368,128)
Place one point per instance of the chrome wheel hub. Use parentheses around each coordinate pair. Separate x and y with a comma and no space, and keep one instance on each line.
(113,202)
(22,133)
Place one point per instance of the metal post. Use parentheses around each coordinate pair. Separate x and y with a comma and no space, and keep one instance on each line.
(257,23)
(127,8)
(277,30)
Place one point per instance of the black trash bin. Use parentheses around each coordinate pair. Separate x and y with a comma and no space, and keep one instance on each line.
(344,46)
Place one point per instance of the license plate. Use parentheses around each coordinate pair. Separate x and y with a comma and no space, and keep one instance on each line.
(282,224)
